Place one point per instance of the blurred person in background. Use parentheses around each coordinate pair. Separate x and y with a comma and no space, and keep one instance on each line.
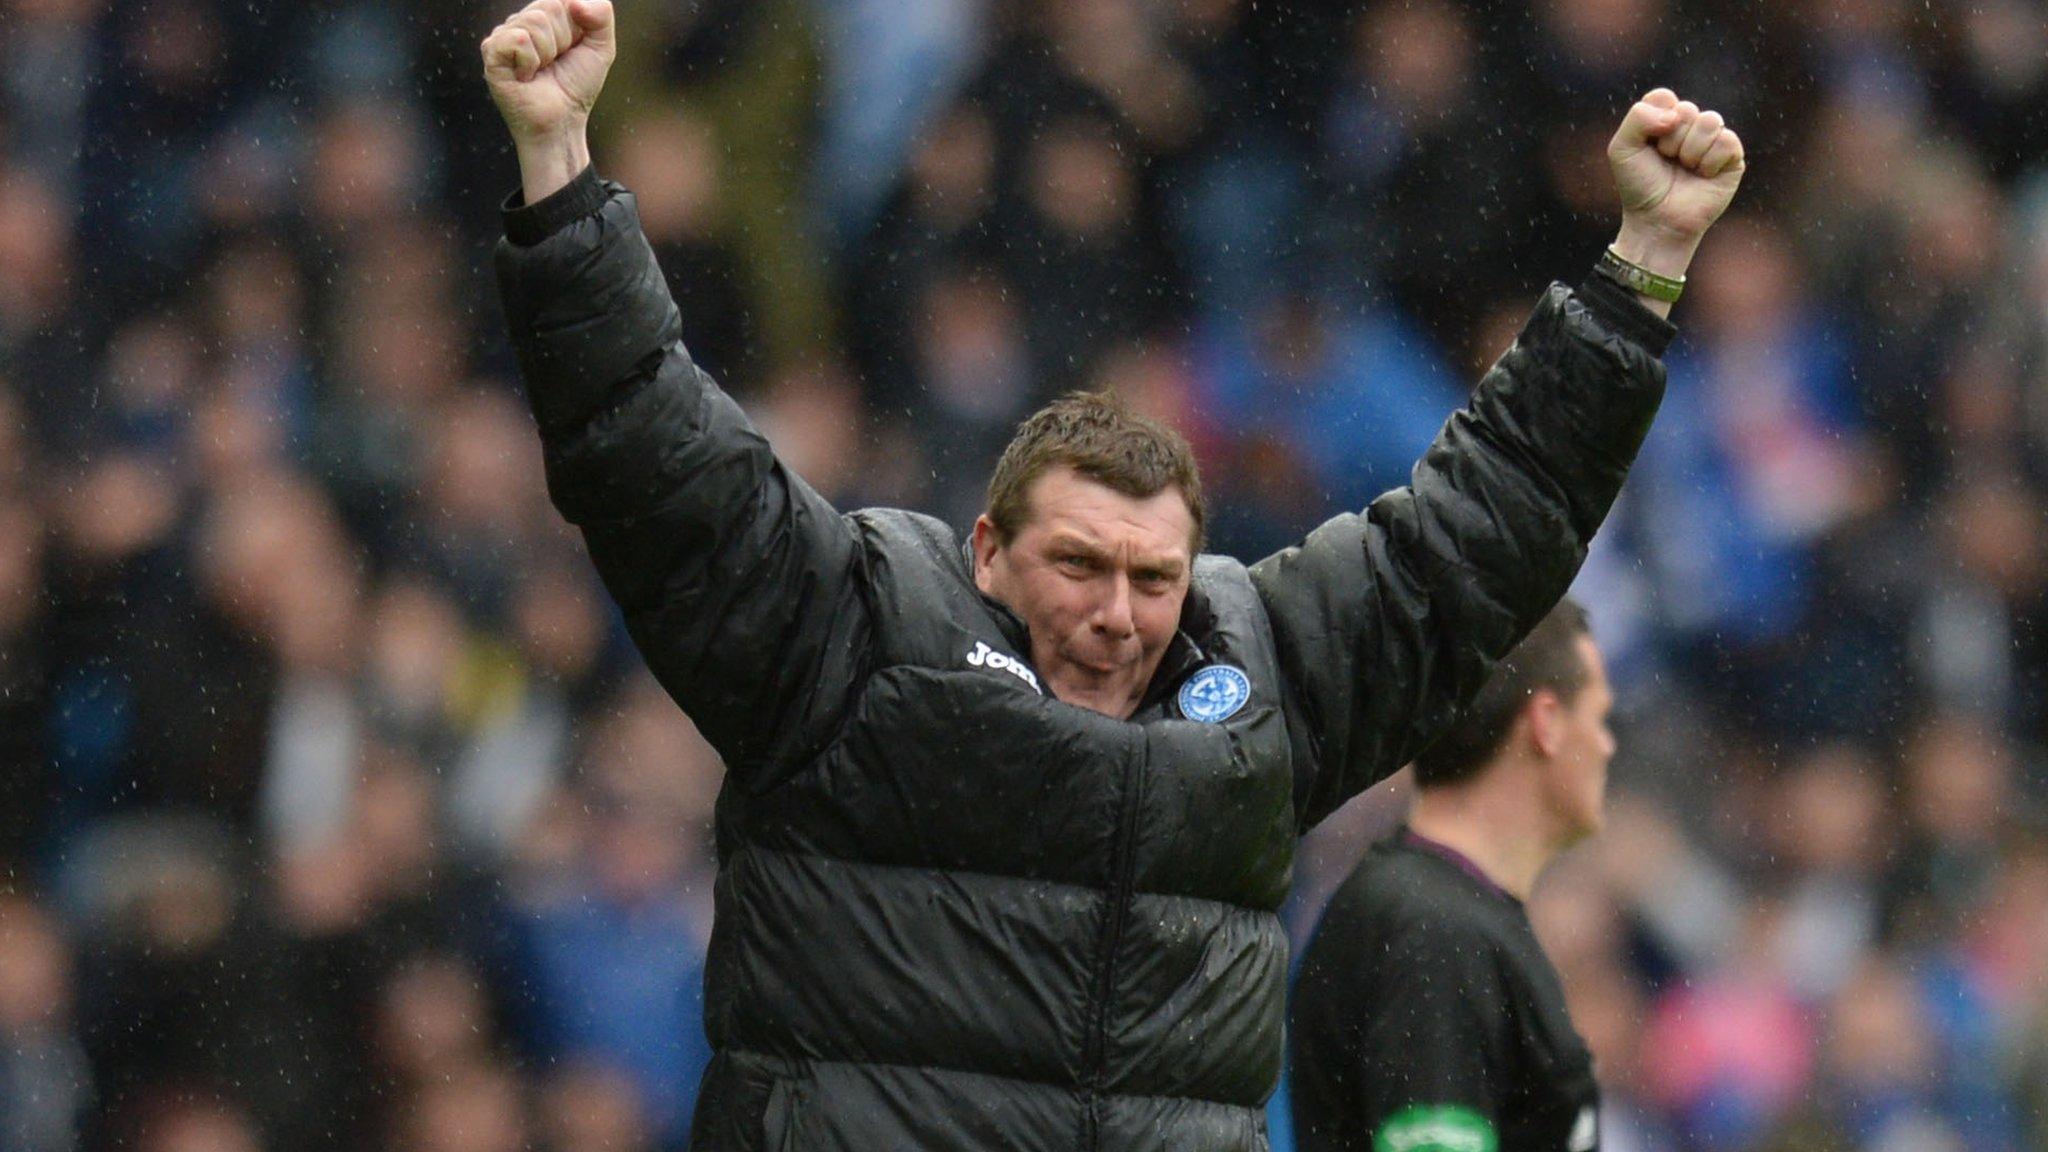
(47,93)
(1426,1014)
(46,1082)
(1884,1079)
(395,355)
(943,216)
(606,950)
(1960,805)
(38,267)
(254,299)
(1418,192)
(1682,903)
(976,378)
(1323,402)
(1921,370)
(363,173)
(186,989)
(133,730)
(166,75)
(483,503)
(675,157)
(415,651)
(344,914)
(890,65)
(1730,1051)
(1830,840)
(438,1074)
(1233,193)
(561,664)
(1092,274)
(1759,469)
(848,668)
(1975,607)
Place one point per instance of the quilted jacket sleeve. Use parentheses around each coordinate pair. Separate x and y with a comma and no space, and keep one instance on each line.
(1389,620)
(738,582)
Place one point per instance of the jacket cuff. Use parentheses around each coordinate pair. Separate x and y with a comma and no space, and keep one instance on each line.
(529,224)
(1617,308)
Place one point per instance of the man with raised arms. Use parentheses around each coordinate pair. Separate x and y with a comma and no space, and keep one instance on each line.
(1006,821)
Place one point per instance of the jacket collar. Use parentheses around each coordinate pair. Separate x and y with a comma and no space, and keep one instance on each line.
(1008,622)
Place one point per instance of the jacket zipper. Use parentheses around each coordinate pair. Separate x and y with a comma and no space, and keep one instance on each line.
(1123,881)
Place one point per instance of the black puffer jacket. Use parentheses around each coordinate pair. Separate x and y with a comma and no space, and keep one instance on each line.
(953,912)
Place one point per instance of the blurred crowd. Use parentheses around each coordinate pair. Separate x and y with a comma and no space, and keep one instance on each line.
(335,813)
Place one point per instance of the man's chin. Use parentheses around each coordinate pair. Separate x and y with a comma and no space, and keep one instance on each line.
(1110,692)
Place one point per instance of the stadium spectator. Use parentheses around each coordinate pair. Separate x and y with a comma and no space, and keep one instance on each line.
(607,950)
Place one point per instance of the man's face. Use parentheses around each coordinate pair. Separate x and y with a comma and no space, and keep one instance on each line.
(1099,578)
(1578,763)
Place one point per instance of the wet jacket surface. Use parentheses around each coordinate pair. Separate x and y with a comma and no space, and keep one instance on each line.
(956,913)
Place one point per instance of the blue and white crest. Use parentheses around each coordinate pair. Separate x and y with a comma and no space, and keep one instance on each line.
(1214,694)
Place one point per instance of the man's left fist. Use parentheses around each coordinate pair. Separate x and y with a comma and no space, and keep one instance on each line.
(1675,166)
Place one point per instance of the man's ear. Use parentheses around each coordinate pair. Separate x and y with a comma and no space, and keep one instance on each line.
(987,540)
(1545,716)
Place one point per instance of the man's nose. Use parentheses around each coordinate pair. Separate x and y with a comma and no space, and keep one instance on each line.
(1113,616)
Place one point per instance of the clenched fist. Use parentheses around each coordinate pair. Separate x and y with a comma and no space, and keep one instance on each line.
(1676,168)
(545,66)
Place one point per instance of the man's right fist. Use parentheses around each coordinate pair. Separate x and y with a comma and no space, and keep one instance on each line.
(546,65)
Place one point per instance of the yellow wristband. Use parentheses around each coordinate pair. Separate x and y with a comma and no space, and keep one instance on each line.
(1636,278)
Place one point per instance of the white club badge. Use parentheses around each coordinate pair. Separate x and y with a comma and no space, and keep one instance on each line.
(1215,694)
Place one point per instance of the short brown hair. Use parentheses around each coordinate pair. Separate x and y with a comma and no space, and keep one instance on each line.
(1100,438)
(1547,658)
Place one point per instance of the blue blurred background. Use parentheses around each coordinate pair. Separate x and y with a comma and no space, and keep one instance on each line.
(336,814)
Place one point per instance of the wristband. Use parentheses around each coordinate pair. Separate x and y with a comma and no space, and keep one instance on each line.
(1639,279)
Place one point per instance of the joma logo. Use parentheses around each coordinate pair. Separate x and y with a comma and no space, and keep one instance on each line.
(984,656)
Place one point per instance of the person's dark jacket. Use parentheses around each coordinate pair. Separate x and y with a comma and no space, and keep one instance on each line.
(1425,1005)
(952,911)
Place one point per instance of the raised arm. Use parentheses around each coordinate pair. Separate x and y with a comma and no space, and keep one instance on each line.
(1387,622)
(737,581)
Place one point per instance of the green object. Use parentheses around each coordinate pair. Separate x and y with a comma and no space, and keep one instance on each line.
(1637,278)
(1436,1128)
